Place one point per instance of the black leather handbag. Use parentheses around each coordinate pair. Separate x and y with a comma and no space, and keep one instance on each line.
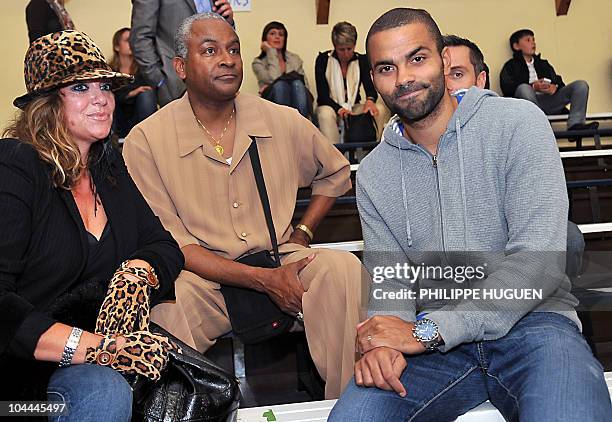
(253,315)
(360,128)
(191,389)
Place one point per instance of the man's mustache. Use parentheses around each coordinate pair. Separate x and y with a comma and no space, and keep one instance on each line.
(409,88)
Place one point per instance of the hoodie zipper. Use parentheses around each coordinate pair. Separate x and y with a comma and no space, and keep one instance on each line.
(434,160)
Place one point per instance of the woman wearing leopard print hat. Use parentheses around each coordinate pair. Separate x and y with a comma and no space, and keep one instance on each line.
(71,219)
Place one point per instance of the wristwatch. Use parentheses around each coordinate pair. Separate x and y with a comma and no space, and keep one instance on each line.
(71,345)
(305,229)
(426,332)
(148,276)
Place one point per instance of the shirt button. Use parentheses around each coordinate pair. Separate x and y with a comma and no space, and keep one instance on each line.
(243,234)
(235,205)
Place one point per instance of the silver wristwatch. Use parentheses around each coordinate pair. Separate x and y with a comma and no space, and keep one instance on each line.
(71,345)
(426,332)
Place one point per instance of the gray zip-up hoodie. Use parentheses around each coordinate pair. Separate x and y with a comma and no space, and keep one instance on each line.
(495,192)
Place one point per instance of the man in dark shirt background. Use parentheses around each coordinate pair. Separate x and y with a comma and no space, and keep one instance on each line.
(46,16)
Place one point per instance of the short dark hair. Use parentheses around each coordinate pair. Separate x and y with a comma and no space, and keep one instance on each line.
(401,16)
(269,27)
(476,56)
(487,84)
(517,35)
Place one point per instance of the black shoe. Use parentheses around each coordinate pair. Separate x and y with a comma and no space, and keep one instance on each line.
(582,126)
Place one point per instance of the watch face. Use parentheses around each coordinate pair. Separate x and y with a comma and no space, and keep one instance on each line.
(426,330)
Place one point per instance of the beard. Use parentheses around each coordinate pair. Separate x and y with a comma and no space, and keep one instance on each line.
(415,109)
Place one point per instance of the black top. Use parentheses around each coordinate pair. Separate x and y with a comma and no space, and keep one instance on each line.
(44,247)
(516,72)
(323,97)
(101,258)
(41,19)
(125,110)
(121,94)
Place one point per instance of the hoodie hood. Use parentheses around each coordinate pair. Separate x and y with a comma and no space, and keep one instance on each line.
(466,109)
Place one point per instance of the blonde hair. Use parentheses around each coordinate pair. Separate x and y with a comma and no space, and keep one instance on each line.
(344,33)
(42,124)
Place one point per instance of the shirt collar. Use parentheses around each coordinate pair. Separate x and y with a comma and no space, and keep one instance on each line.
(249,122)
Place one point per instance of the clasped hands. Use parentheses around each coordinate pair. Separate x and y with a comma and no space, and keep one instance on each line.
(544,86)
(383,341)
(369,107)
(123,322)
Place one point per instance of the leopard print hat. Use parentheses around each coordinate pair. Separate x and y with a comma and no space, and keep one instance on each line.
(61,58)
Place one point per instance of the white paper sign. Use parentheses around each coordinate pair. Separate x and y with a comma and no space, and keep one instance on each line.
(241,5)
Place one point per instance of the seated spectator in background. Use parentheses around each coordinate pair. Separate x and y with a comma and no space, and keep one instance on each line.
(279,72)
(526,75)
(135,101)
(468,69)
(46,16)
(154,23)
(76,236)
(339,74)
(192,162)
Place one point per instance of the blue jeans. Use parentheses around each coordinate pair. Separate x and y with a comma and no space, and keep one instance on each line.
(290,93)
(542,370)
(575,93)
(91,393)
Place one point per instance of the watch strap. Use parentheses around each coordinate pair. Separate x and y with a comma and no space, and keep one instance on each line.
(71,345)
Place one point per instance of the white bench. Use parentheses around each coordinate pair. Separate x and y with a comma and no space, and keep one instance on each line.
(563,154)
(318,411)
(357,245)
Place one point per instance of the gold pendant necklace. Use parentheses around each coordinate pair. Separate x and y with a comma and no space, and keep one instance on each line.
(218,147)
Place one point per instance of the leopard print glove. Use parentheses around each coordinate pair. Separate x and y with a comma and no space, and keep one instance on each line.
(143,353)
(126,306)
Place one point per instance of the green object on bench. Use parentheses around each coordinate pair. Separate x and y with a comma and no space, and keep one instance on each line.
(269,415)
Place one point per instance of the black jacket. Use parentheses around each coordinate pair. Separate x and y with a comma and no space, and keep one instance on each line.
(41,19)
(323,97)
(44,248)
(515,72)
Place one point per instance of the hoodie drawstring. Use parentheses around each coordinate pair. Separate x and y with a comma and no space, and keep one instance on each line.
(462,182)
(404,196)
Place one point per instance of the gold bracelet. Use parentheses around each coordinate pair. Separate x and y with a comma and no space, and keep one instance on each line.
(306,230)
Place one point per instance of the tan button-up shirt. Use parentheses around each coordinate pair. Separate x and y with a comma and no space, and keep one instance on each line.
(202,200)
